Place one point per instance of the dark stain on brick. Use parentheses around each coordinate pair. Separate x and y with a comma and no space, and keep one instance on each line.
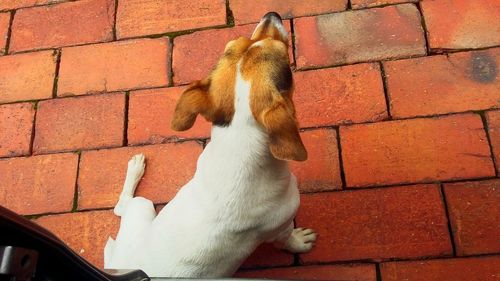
(483,67)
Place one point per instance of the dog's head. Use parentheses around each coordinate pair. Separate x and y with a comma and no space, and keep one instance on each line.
(262,61)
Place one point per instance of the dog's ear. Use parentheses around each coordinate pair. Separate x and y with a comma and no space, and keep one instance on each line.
(284,139)
(194,100)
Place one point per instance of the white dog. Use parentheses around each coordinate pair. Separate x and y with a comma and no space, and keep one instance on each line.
(242,193)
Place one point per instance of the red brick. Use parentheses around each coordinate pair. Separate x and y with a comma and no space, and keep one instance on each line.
(471,269)
(356,36)
(493,120)
(358,4)
(443,84)
(54,26)
(416,150)
(266,255)
(467,24)
(474,209)
(4,30)
(333,96)
(252,11)
(86,233)
(27,76)
(376,224)
(102,172)
(16,123)
(114,66)
(39,184)
(340,272)
(14,4)
(321,171)
(139,17)
(79,123)
(195,55)
(150,114)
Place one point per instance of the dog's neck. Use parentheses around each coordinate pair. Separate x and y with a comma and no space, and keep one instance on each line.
(240,149)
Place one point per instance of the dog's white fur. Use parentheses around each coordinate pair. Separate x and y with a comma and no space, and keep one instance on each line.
(239,197)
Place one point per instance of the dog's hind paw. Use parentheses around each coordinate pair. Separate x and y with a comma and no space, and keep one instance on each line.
(136,166)
(301,240)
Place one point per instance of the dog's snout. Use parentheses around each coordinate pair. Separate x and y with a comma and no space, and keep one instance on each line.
(271,16)
(271,25)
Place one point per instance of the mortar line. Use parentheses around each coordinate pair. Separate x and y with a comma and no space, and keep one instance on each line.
(341,161)
(125,118)
(58,54)
(386,90)
(488,138)
(9,32)
(378,272)
(424,27)
(115,36)
(448,218)
(33,128)
(75,195)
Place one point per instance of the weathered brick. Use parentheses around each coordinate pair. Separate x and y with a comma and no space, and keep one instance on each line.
(266,255)
(16,123)
(333,96)
(54,26)
(443,84)
(114,66)
(358,4)
(4,30)
(474,209)
(416,150)
(85,233)
(477,269)
(385,223)
(79,123)
(39,184)
(321,171)
(195,55)
(493,120)
(356,36)
(14,4)
(27,76)
(467,24)
(252,11)
(102,172)
(139,17)
(150,114)
(340,272)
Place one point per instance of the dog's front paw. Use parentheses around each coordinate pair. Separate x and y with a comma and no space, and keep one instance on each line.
(136,166)
(301,240)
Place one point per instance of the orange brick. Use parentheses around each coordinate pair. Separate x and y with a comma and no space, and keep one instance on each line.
(333,96)
(54,26)
(14,4)
(474,209)
(376,224)
(358,4)
(252,11)
(478,269)
(4,30)
(150,114)
(340,272)
(114,66)
(85,233)
(467,24)
(443,84)
(416,150)
(321,171)
(39,184)
(493,120)
(372,34)
(102,172)
(139,17)
(16,123)
(27,76)
(79,123)
(195,55)
(266,255)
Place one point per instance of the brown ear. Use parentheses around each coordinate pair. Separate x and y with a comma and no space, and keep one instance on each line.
(194,100)
(281,125)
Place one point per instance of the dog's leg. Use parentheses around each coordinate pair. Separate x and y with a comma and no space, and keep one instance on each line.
(296,240)
(135,171)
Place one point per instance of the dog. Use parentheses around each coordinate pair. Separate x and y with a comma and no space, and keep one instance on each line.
(242,193)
